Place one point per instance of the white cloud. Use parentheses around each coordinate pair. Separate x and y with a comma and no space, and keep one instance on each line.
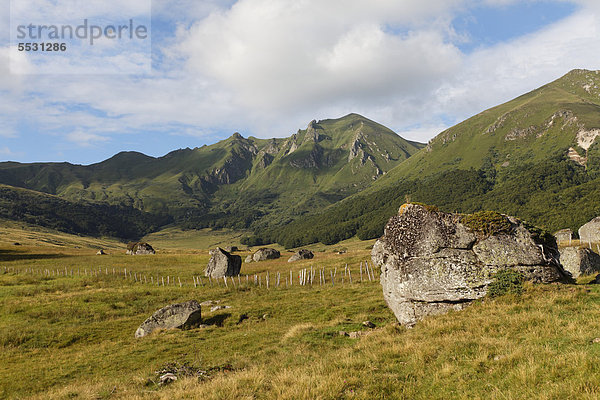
(85,139)
(268,67)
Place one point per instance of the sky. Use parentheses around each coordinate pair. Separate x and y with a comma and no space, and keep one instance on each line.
(265,68)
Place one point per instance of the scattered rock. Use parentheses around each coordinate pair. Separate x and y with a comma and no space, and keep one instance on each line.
(266,254)
(343,333)
(231,249)
(210,303)
(217,308)
(368,324)
(223,264)
(167,378)
(302,255)
(596,340)
(249,259)
(355,335)
(499,358)
(341,252)
(579,261)
(100,253)
(590,232)
(564,235)
(140,248)
(174,316)
(433,262)
(265,316)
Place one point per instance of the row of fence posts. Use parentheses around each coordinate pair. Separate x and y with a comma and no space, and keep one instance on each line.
(303,277)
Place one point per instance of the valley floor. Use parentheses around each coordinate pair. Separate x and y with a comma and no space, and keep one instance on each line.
(72,335)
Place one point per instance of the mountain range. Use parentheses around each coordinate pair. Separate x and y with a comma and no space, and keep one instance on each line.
(238,182)
(536,157)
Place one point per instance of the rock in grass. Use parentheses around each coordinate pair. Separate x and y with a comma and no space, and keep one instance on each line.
(579,261)
(266,254)
(140,248)
(302,255)
(433,262)
(590,232)
(174,316)
(223,264)
(101,253)
(249,259)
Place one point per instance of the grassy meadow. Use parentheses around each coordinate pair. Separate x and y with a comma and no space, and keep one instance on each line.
(72,337)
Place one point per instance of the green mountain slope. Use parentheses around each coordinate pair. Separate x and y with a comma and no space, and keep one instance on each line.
(79,218)
(238,182)
(536,157)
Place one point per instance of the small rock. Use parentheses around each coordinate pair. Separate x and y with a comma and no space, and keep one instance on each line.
(222,264)
(243,317)
(499,358)
(343,333)
(167,378)
(341,252)
(140,248)
(249,259)
(210,303)
(355,335)
(302,255)
(100,253)
(596,340)
(217,308)
(17,244)
(175,316)
(264,317)
(368,324)
(266,254)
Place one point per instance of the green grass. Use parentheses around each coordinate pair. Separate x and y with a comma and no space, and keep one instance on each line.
(72,337)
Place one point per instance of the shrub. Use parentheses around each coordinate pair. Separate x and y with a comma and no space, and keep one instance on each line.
(506,282)
(487,222)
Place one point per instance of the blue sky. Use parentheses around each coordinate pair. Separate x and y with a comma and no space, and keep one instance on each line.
(266,68)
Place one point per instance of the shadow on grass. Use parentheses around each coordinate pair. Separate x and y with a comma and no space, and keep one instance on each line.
(216,320)
(15,255)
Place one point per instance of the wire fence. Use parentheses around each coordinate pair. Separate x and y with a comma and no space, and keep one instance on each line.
(313,276)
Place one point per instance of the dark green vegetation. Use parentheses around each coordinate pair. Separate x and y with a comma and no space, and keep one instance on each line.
(523,158)
(237,183)
(76,217)
(506,282)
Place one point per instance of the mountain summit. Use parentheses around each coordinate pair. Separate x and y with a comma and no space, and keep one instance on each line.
(237,182)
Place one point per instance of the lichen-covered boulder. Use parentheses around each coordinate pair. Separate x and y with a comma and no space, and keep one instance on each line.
(302,255)
(433,262)
(564,235)
(266,254)
(590,232)
(223,264)
(175,316)
(140,248)
(579,261)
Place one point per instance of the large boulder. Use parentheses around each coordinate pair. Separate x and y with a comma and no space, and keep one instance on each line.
(175,316)
(266,254)
(564,235)
(140,248)
(433,262)
(222,264)
(302,255)
(590,232)
(579,261)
